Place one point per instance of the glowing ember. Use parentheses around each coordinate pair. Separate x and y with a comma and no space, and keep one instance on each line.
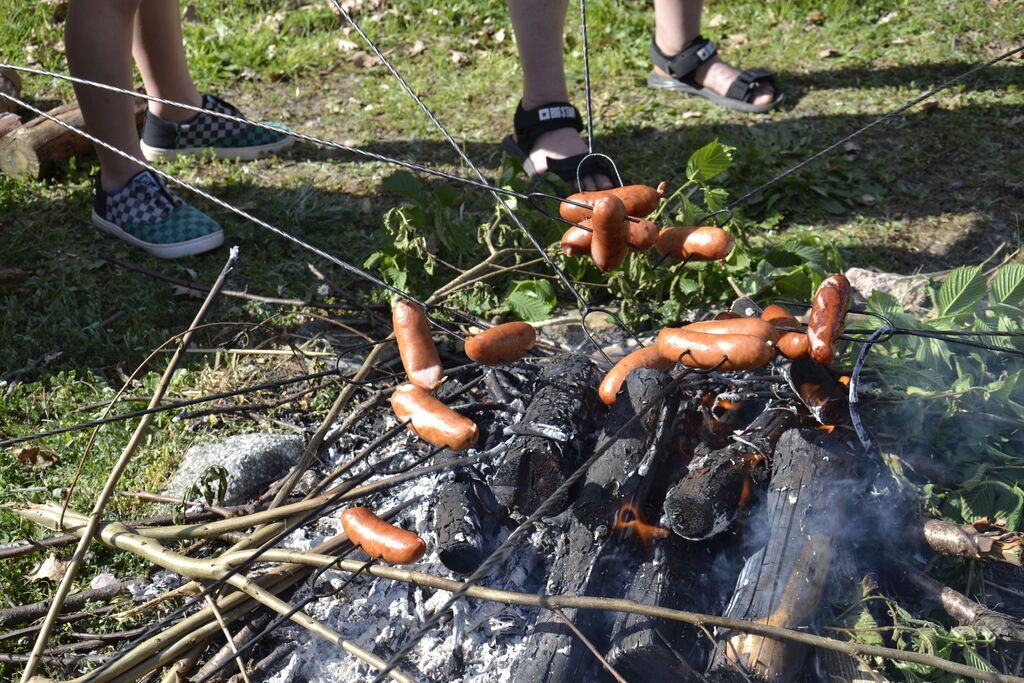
(629,518)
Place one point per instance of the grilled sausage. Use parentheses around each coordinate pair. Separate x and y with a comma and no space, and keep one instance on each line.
(706,243)
(755,327)
(647,357)
(381,539)
(705,351)
(828,317)
(576,241)
(792,343)
(432,420)
(501,344)
(640,200)
(416,345)
(608,245)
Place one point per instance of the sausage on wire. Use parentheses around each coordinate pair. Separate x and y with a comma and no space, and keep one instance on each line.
(381,539)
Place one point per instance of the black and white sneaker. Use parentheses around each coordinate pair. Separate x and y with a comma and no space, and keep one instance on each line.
(163,139)
(144,213)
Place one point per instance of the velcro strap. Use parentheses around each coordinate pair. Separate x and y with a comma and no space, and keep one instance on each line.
(530,124)
(686,61)
(746,81)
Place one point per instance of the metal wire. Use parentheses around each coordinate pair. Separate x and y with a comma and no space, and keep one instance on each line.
(586,86)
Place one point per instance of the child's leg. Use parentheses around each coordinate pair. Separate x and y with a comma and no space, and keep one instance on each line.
(160,55)
(98,38)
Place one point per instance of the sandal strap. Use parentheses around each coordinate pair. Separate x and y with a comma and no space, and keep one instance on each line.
(566,168)
(746,82)
(687,60)
(530,124)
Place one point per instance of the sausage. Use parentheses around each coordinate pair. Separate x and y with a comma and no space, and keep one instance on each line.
(502,344)
(828,317)
(647,357)
(416,345)
(432,420)
(608,243)
(640,200)
(576,241)
(706,243)
(381,539)
(744,352)
(755,327)
(793,344)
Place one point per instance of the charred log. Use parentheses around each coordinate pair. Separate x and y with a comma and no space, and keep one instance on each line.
(706,501)
(982,542)
(550,435)
(457,522)
(783,583)
(825,398)
(586,553)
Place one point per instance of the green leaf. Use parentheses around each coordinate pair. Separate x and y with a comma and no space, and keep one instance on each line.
(708,161)
(532,300)
(992,499)
(1008,284)
(961,291)
(405,184)
(811,254)
(884,303)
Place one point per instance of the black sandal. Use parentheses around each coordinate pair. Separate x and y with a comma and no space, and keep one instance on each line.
(682,66)
(531,124)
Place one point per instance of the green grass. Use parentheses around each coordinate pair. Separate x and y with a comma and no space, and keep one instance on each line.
(933,189)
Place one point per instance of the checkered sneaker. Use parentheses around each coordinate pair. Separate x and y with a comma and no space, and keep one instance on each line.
(227,138)
(147,215)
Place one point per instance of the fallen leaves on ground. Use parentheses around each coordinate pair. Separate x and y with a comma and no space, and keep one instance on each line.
(36,457)
(50,569)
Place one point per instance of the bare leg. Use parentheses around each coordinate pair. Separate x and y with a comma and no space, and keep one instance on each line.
(677,22)
(160,55)
(539,25)
(98,38)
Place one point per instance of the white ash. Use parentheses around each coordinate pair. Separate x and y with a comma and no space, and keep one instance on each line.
(157,584)
(381,615)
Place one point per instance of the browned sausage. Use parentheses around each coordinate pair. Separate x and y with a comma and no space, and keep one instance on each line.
(432,420)
(647,357)
(640,200)
(576,241)
(416,345)
(703,350)
(793,344)
(706,243)
(501,344)
(828,317)
(608,245)
(755,327)
(381,539)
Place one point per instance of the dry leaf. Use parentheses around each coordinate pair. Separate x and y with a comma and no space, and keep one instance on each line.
(499,35)
(815,16)
(718,20)
(458,57)
(691,115)
(9,275)
(50,569)
(37,457)
(363,60)
(738,39)
(418,47)
(104,580)
(828,52)
(346,45)
(888,17)
(929,107)
(178,290)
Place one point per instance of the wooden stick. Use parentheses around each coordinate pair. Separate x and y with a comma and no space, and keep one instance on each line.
(115,475)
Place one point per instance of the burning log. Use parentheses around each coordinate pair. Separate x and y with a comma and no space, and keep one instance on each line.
(783,583)
(550,436)
(462,519)
(705,502)
(588,557)
(963,610)
(977,542)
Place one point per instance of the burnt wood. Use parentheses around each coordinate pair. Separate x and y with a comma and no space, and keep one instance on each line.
(707,500)
(460,541)
(783,583)
(589,557)
(551,435)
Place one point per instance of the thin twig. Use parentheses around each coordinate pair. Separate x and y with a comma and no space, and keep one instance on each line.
(228,637)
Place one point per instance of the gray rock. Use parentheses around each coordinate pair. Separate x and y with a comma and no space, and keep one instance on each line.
(910,290)
(251,461)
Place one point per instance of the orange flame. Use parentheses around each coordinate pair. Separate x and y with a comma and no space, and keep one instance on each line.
(630,519)
(828,429)
(750,463)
